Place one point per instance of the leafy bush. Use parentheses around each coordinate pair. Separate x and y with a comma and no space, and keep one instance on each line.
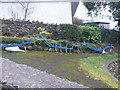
(68,32)
(42,31)
(90,34)
(64,43)
(110,36)
(11,40)
(41,43)
(79,33)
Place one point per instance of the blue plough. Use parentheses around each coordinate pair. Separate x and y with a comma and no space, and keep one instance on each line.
(23,43)
(95,49)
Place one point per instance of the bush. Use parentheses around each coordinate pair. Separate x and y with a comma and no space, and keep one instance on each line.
(68,32)
(11,40)
(90,34)
(79,33)
(110,36)
(40,43)
(64,43)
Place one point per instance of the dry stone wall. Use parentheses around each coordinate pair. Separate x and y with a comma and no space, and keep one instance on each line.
(114,68)
(23,28)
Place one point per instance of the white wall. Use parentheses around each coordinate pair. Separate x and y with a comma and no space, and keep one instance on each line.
(48,12)
(105,16)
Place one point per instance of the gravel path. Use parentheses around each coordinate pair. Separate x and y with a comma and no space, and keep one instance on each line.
(24,76)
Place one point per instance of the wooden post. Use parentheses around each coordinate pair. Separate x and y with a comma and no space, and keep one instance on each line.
(66,47)
(78,47)
(60,49)
(70,51)
(56,48)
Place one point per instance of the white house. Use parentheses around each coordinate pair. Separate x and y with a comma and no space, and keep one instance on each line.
(47,11)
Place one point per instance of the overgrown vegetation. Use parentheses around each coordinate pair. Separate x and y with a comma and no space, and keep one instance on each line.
(93,66)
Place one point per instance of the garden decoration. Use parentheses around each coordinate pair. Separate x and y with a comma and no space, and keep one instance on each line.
(54,46)
(15,47)
(95,49)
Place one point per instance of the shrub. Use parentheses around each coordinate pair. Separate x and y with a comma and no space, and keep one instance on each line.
(79,33)
(11,40)
(90,34)
(40,43)
(68,32)
(64,43)
(110,36)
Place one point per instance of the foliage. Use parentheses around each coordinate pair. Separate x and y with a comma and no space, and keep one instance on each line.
(40,43)
(111,36)
(94,66)
(96,7)
(64,43)
(68,32)
(115,10)
(90,34)
(79,33)
(11,40)
(43,31)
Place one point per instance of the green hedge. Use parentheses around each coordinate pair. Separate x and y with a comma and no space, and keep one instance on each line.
(79,33)
(68,32)
(12,40)
(90,34)
(110,36)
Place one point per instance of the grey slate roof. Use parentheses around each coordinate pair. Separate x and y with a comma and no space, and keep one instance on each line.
(74,6)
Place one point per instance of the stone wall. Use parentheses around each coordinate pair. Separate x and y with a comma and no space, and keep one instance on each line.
(24,28)
(114,68)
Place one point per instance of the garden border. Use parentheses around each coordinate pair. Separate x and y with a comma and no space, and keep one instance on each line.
(106,65)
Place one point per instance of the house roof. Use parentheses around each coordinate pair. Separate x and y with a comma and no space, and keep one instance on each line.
(74,6)
(101,22)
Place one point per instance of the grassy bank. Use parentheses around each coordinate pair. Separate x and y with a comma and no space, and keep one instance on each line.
(94,66)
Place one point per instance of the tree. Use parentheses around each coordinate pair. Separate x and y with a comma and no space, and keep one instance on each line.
(96,7)
(26,7)
(14,15)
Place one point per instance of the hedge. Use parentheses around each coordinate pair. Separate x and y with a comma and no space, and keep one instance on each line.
(78,33)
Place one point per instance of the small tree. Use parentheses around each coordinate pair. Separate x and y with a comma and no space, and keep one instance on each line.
(14,14)
(26,7)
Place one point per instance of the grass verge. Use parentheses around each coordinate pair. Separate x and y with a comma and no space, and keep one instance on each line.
(93,67)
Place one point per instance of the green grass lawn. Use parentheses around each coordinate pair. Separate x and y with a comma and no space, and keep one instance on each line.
(94,66)
(69,66)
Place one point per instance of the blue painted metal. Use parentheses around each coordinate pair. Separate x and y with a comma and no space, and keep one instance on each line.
(23,43)
(54,46)
(95,49)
